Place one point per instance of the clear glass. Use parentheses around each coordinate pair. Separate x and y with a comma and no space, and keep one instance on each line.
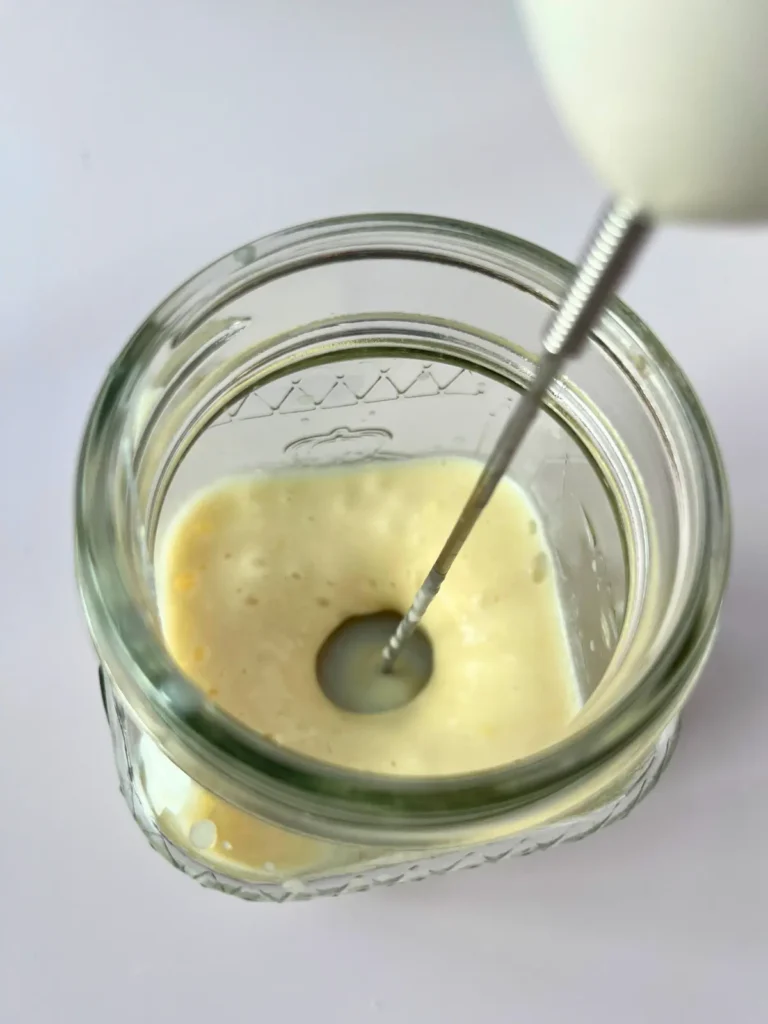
(390,337)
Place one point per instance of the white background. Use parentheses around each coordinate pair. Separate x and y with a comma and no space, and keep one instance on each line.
(140,140)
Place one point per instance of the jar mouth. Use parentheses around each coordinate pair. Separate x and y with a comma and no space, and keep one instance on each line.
(284,786)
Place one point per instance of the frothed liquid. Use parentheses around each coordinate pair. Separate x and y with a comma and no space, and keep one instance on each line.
(256,573)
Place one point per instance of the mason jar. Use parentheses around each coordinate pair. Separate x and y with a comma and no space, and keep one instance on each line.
(388,337)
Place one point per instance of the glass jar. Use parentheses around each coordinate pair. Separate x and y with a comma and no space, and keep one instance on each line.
(394,337)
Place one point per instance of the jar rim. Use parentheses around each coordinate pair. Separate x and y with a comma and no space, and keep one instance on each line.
(237,763)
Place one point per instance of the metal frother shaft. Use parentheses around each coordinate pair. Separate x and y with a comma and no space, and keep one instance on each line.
(617,241)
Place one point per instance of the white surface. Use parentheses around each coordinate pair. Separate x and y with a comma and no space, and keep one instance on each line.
(138,141)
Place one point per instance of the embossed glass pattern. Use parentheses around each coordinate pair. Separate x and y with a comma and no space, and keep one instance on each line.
(391,338)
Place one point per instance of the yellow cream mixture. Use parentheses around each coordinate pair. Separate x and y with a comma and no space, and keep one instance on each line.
(255,574)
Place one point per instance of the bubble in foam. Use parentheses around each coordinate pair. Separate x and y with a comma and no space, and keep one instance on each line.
(539,567)
(250,566)
(203,834)
(201,527)
(185,582)
(381,524)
